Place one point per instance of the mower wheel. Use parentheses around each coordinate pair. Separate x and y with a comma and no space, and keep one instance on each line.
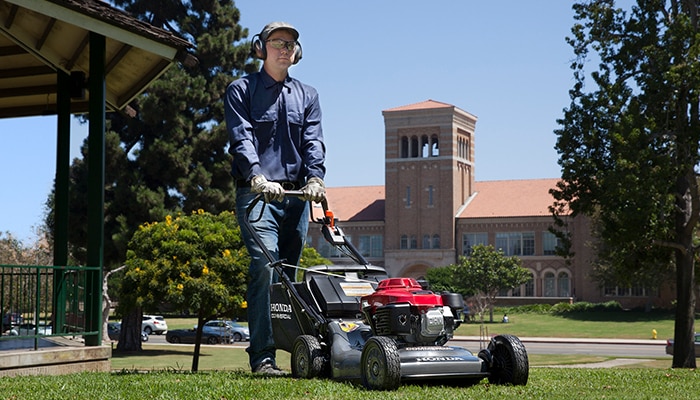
(380,364)
(307,357)
(510,363)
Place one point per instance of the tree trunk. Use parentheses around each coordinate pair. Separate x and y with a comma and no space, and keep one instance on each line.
(684,333)
(198,341)
(686,220)
(107,303)
(130,335)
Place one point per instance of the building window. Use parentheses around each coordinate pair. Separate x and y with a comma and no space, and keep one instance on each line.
(550,289)
(426,241)
(371,245)
(550,243)
(425,147)
(436,241)
(404,242)
(414,242)
(563,284)
(404,147)
(434,149)
(430,195)
(634,291)
(530,286)
(516,243)
(327,250)
(469,240)
(414,147)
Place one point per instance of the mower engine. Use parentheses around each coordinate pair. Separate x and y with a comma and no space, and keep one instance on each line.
(402,309)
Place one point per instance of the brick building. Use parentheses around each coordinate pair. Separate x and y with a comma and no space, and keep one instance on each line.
(432,210)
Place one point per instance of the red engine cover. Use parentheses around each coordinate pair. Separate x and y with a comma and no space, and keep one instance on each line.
(401,290)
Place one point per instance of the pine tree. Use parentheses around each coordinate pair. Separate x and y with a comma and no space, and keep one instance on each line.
(172,154)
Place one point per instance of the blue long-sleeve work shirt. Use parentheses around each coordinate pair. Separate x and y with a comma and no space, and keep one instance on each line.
(262,140)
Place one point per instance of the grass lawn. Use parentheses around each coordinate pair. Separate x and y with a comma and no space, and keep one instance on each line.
(619,325)
(161,371)
(544,383)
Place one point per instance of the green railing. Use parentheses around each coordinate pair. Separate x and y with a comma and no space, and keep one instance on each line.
(44,301)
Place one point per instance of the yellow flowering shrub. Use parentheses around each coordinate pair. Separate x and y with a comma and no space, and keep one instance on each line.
(195,263)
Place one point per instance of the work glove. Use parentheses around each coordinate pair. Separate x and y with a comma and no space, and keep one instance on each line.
(314,190)
(271,190)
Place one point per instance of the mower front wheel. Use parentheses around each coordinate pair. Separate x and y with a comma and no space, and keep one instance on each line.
(307,357)
(509,361)
(380,364)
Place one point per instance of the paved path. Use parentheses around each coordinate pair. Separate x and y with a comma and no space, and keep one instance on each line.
(617,362)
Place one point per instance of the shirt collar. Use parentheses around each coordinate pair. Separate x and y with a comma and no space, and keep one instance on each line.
(269,82)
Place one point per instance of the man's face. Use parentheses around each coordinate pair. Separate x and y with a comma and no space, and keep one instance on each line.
(283,57)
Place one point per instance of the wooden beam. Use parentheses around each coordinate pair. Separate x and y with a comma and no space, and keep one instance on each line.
(25,72)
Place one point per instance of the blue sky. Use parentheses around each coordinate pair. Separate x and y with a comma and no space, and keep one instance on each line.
(505,62)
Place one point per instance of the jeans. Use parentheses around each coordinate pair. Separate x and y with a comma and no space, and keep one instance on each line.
(282,228)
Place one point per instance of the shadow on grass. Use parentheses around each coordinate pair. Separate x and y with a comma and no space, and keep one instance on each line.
(156,353)
(619,316)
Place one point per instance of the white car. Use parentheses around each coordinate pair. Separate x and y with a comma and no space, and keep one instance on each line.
(154,324)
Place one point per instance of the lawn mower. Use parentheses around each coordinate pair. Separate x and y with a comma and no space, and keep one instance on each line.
(355,323)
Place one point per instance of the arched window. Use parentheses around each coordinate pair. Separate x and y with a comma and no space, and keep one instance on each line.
(563,284)
(414,242)
(550,288)
(404,147)
(404,242)
(424,147)
(530,286)
(414,147)
(426,241)
(434,148)
(436,241)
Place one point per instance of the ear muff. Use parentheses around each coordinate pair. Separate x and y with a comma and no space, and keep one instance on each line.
(297,53)
(259,50)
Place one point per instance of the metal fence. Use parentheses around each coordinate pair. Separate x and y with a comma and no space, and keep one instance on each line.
(44,301)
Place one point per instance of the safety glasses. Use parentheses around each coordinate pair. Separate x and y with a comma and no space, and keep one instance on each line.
(281,43)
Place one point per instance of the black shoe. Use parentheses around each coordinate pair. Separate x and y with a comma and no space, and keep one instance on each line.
(268,369)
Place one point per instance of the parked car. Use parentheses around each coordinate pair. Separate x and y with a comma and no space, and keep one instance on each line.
(189,336)
(669,345)
(28,329)
(229,330)
(115,328)
(239,332)
(154,324)
(12,319)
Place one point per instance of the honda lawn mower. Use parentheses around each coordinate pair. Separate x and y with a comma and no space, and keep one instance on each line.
(355,323)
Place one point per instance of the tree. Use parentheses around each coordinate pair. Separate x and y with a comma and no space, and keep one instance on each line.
(15,252)
(168,153)
(189,263)
(628,145)
(482,275)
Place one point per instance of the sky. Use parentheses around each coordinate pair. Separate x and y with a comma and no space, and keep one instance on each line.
(506,62)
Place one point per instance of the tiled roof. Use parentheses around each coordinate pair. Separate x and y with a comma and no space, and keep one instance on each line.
(428,104)
(358,203)
(510,198)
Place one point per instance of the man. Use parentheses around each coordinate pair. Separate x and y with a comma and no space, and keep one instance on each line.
(274,127)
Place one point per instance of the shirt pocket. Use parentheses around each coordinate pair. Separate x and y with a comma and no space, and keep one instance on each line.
(264,123)
(295,119)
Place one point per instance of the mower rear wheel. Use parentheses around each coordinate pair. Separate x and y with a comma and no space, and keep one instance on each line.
(510,363)
(307,357)
(380,364)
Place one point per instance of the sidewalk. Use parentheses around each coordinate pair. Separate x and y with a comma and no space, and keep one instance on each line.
(650,342)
